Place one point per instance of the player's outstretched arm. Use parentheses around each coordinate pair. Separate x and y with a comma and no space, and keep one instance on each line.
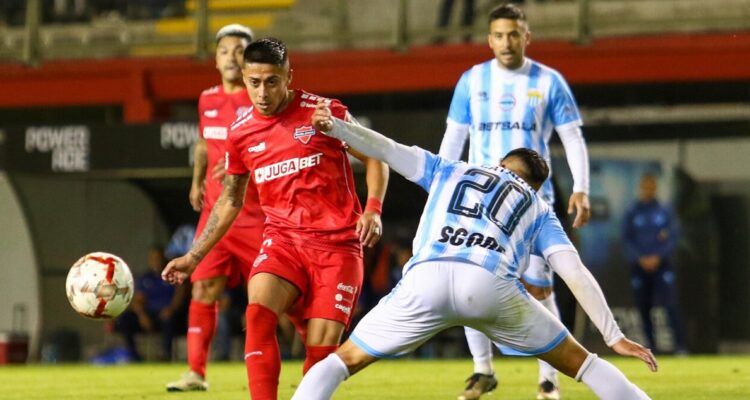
(200,161)
(404,160)
(578,161)
(454,140)
(586,290)
(224,212)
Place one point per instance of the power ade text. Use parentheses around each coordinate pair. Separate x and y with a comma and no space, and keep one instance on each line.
(69,146)
(178,135)
(462,237)
(286,167)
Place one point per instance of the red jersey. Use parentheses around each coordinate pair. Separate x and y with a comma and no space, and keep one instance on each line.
(304,179)
(218,110)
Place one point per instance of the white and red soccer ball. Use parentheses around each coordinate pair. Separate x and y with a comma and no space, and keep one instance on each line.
(99,286)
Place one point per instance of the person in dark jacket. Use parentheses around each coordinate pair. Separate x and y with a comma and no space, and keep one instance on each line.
(651,232)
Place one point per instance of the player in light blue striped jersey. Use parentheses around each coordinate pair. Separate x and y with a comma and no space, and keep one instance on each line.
(478,228)
(503,104)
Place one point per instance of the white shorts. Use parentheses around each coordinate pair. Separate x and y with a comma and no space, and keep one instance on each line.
(434,296)
(538,273)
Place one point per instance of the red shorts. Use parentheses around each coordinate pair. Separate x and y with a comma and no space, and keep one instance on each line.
(329,280)
(232,256)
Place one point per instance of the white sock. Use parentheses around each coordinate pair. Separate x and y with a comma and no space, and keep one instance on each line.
(607,382)
(546,371)
(481,350)
(322,379)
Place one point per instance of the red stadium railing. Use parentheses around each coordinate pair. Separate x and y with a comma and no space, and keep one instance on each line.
(184,27)
(138,84)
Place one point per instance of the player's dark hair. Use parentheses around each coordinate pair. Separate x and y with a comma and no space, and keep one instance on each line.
(266,50)
(507,11)
(536,168)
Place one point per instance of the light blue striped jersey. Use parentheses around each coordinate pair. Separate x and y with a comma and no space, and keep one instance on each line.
(506,110)
(485,216)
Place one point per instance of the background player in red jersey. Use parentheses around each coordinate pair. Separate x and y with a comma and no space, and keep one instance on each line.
(310,264)
(229,262)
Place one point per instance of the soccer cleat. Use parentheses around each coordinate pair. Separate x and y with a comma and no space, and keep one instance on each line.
(548,391)
(189,382)
(477,385)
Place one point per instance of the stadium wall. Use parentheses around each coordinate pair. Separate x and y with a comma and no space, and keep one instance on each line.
(69,217)
(719,159)
(139,85)
(711,186)
(19,289)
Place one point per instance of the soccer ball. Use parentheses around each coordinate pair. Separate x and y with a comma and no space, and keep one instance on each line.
(99,286)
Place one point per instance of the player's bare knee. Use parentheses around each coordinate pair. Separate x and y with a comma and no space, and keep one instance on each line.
(354,358)
(567,357)
(570,366)
(208,291)
(323,332)
(271,292)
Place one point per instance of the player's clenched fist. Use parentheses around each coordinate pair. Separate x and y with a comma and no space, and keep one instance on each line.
(369,228)
(322,117)
(196,196)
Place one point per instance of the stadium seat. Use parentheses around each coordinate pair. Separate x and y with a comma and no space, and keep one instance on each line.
(230,5)
(258,14)
(187,25)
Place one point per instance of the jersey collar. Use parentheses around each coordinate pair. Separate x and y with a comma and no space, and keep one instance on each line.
(510,73)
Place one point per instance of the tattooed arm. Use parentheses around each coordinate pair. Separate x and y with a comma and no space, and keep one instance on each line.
(224,212)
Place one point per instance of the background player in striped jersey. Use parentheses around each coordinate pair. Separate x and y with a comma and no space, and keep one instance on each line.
(229,262)
(310,264)
(477,231)
(506,103)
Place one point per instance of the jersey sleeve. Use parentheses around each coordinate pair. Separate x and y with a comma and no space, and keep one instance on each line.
(233,162)
(562,109)
(428,167)
(460,109)
(338,109)
(551,238)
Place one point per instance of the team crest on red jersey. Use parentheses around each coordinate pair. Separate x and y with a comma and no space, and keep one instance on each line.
(304,133)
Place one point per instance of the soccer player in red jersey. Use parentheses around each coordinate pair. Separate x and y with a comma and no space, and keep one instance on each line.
(229,262)
(310,264)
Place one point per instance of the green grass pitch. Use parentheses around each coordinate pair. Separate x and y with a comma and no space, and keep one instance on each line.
(688,378)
